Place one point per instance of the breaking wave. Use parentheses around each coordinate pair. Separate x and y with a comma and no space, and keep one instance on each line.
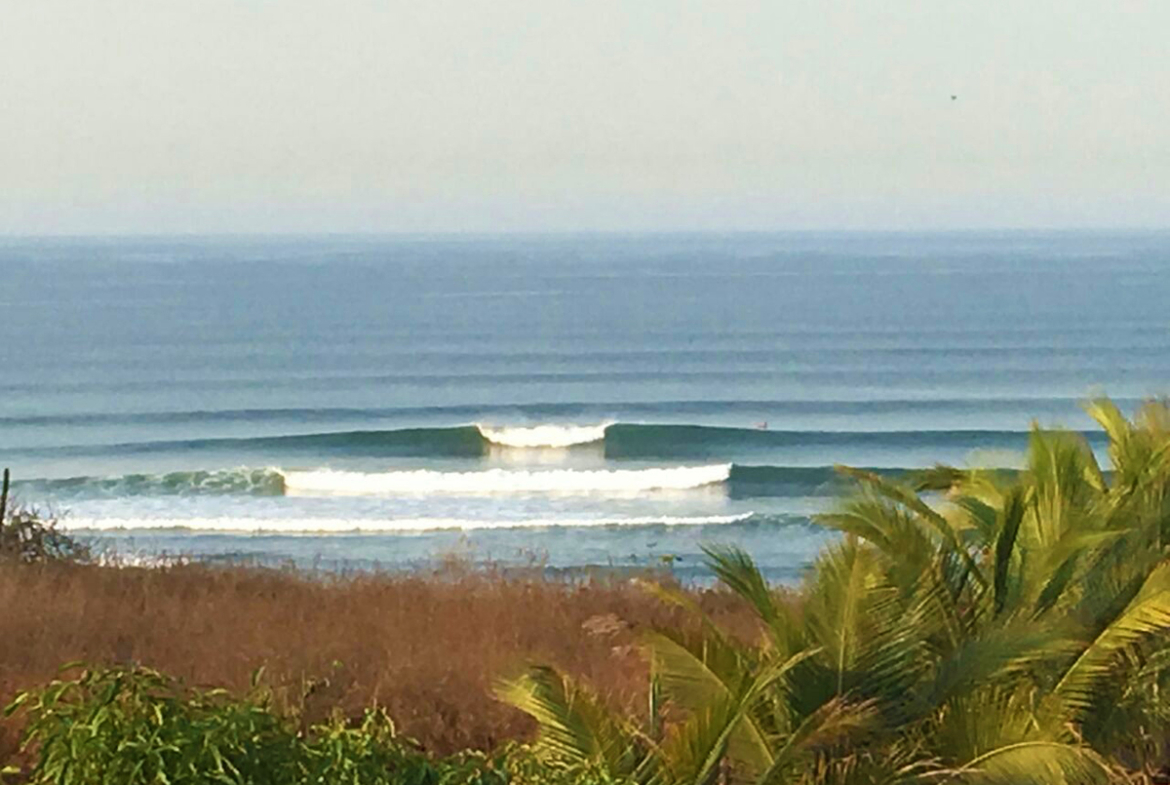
(349,525)
(503,481)
(224,482)
(739,480)
(546,436)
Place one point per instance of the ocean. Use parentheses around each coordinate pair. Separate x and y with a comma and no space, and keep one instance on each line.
(570,401)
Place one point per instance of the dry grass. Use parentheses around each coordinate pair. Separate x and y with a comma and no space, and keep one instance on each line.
(428,649)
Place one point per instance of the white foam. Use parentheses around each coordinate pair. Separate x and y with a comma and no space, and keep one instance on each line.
(151,560)
(502,481)
(543,436)
(349,525)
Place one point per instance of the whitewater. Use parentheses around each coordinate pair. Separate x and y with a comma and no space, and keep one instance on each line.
(501,481)
(577,402)
(543,436)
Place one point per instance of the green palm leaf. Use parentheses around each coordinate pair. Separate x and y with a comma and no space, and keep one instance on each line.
(575,727)
(847,585)
(1005,543)
(836,722)
(1147,615)
(713,692)
(1031,763)
(723,728)
(735,568)
(911,501)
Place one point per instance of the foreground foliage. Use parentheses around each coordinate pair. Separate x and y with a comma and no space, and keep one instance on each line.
(972,626)
(27,537)
(135,726)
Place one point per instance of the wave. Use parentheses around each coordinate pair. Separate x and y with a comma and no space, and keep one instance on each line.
(618,440)
(690,441)
(739,481)
(536,412)
(350,525)
(502,481)
(546,436)
(224,482)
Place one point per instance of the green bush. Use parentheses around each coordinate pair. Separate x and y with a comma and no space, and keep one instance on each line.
(139,727)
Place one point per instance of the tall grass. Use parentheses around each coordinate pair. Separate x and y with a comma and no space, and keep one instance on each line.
(427,649)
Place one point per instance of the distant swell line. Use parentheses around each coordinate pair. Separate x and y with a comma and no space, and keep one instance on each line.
(549,410)
(618,440)
(857,375)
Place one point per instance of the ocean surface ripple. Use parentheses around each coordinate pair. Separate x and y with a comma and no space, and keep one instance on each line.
(589,400)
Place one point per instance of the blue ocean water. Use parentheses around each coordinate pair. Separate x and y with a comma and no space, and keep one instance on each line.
(567,400)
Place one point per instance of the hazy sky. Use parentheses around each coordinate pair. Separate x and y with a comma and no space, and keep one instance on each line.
(351,115)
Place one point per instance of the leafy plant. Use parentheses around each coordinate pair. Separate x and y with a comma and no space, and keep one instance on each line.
(136,726)
(1006,627)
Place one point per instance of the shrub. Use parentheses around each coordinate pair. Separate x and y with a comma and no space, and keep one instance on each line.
(136,726)
(28,537)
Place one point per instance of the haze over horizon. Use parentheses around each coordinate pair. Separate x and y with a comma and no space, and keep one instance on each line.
(226,116)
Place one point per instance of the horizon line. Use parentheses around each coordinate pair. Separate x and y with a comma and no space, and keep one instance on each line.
(583,232)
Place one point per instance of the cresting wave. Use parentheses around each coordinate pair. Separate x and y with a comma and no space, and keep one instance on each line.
(503,481)
(543,436)
(741,481)
(224,482)
(351,525)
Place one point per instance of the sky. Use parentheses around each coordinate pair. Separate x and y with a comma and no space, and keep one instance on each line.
(291,116)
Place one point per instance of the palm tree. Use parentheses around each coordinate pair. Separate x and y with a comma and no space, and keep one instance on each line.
(969,626)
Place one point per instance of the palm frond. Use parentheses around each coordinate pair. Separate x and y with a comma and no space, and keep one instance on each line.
(695,672)
(836,722)
(909,547)
(1031,763)
(722,730)
(575,726)
(996,657)
(1005,543)
(713,684)
(736,569)
(847,582)
(909,499)
(1147,615)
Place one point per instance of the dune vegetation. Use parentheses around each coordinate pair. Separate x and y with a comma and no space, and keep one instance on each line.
(969,626)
